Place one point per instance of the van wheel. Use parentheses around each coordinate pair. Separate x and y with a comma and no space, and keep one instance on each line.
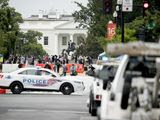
(89,108)
(93,110)
(126,91)
(66,89)
(90,101)
(16,88)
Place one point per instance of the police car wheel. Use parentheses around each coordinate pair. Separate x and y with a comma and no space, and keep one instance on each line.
(16,88)
(67,89)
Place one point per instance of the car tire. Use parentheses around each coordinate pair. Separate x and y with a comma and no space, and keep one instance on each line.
(89,106)
(90,100)
(126,92)
(66,89)
(93,110)
(16,88)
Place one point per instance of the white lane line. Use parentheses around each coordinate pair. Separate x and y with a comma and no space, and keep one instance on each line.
(21,110)
(36,110)
(62,111)
(88,118)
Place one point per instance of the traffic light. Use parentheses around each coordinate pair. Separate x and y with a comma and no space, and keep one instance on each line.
(107,6)
(146,6)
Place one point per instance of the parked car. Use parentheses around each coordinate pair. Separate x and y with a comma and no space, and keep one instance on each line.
(95,94)
(39,79)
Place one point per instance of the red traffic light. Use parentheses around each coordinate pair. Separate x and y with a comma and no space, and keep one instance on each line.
(146,4)
(107,3)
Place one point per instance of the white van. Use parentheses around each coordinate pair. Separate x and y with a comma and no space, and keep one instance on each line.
(98,85)
(115,103)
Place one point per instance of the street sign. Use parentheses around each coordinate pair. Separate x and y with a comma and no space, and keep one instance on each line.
(127,6)
(111,30)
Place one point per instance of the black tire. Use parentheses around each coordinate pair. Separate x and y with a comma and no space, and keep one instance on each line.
(92,106)
(90,99)
(93,110)
(16,88)
(89,108)
(66,89)
(126,92)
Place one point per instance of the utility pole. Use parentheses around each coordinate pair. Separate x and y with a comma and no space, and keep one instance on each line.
(122,25)
(126,6)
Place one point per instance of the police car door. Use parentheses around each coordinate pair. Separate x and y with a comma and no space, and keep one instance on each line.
(32,79)
(49,80)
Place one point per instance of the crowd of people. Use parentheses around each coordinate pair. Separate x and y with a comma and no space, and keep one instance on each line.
(58,61)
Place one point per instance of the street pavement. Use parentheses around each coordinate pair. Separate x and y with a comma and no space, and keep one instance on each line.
(31,106)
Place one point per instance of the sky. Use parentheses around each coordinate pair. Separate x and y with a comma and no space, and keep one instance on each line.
(32,7)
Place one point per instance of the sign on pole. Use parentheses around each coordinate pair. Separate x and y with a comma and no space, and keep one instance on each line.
(127,6)
(111,30)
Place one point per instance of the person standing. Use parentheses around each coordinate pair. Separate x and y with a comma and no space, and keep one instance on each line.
(57,64)
(64,69)
(73,71)
(47,66)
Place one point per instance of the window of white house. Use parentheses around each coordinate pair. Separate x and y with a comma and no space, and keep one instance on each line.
(64,40)
(46,40)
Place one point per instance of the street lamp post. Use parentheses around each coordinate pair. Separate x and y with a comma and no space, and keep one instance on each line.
(122,24)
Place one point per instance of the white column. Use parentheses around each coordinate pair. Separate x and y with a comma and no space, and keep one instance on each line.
(56,45)
(71,37)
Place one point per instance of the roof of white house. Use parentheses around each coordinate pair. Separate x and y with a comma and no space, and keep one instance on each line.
(53,21)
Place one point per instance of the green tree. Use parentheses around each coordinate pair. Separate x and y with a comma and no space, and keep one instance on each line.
(92,18)
(9,28)
(129,35)
(27,44)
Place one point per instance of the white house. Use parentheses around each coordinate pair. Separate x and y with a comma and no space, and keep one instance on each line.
(57,31)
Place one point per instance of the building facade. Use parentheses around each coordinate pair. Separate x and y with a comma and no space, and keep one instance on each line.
(57,31)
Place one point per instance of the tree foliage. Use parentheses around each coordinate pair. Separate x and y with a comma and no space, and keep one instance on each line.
(9,28)
(27,44)
(93,18)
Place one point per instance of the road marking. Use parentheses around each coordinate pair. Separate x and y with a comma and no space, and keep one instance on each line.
(36,110)
(21,110)
(76,112)
(88,118)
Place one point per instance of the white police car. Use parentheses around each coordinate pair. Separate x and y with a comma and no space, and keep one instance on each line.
(39,79)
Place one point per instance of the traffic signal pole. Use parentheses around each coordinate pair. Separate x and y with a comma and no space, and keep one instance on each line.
(122,25)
